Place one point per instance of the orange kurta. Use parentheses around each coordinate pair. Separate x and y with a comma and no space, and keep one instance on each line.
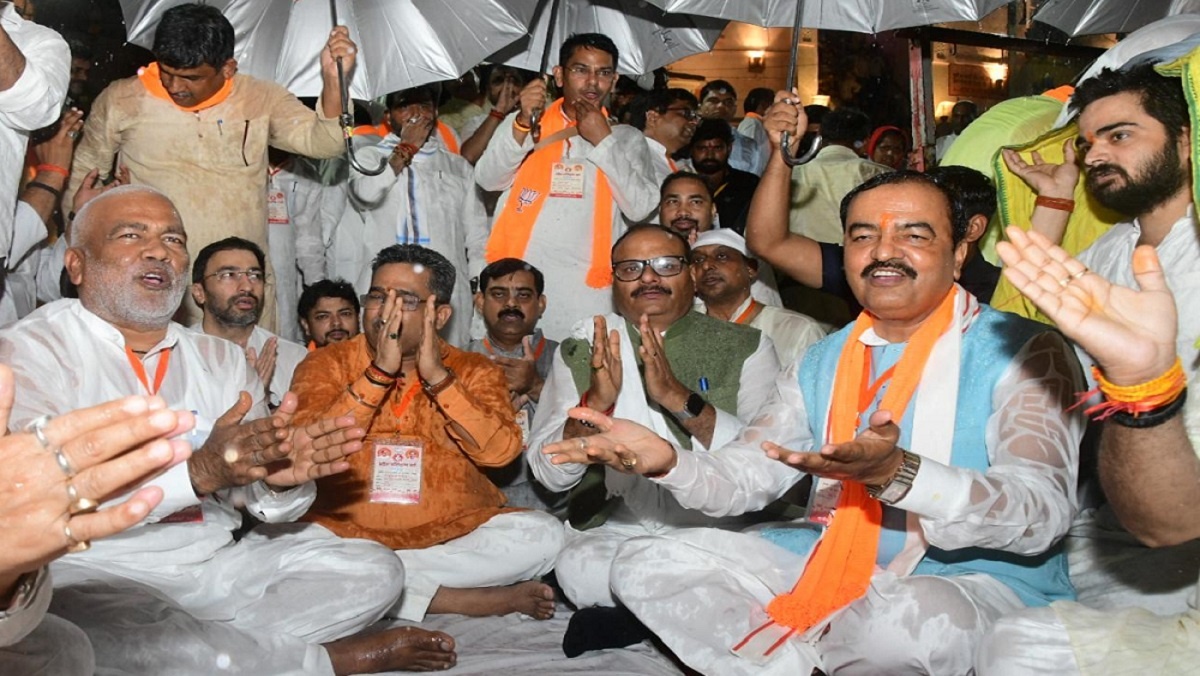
(456,497)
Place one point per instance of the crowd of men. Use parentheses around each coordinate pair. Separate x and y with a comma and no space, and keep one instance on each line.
(550,337)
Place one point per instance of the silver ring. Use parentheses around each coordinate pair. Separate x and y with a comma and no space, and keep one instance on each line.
(583,444)
(74,546)
(1079,274)
(72,494)
(256,458)
(1064,281)
(36,428)
(72,134)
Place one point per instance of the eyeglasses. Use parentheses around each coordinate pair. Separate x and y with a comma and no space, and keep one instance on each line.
(686,113)
(663,266)
(254,276)
(375,299)
(582,72)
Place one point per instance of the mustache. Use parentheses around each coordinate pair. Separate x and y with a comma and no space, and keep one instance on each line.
(245,295)
(1096,171)
(685,219)
(511,312)
(652,288)
(889,265)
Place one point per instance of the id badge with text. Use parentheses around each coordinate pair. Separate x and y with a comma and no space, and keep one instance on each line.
(397,471)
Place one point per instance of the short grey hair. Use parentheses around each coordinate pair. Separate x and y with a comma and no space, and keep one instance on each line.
(83,219)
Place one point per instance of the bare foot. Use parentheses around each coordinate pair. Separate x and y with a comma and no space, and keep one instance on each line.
(398,649)
(530,597)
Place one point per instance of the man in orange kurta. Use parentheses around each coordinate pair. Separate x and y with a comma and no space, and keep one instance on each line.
(434,416)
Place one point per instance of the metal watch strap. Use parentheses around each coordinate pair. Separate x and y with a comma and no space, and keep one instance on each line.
(692,408)
(895,490)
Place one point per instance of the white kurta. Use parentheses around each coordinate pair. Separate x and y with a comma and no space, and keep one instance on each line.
(582,568)
(21,258)
(752,128)
(1111,257)
(561,242)
(288,586)
(790,332)
(288,356)
(433,203)
(1022,504)
(33,102)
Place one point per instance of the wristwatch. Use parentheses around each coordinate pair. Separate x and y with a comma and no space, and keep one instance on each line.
(693,407)
(894,491)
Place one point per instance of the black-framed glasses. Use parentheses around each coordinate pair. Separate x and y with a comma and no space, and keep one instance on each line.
(254,276)
(663,266)
(686,113)
(374,299)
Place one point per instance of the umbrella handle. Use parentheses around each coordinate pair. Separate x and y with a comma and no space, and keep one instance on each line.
(346,119)
(806,157)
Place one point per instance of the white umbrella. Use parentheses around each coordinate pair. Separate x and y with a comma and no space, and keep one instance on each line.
(862,16)
(646,37)
(401,43)
(1089,17)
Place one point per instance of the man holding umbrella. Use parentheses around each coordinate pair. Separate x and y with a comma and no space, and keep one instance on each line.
(570,190)
(194,128)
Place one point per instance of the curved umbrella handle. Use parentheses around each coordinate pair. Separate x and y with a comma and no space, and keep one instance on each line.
(347,123)
(804,158)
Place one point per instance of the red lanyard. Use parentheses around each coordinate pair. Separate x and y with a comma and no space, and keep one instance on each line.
(537,352)
(398,409)
(748,312)
(869,390)
(139,369)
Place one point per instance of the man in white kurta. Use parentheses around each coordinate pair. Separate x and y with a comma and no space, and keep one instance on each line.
(178,594)
(229,285)
(725,273)
(966,531)
(717,374)
(35,65)
(566,240)
(668,118)
(426,195)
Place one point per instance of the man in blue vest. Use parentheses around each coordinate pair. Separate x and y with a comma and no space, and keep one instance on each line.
(944,466)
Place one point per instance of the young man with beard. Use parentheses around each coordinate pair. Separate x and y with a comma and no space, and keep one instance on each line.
(725,272)
(690,377)
(570,187)
(511,300)
(328,312)
(178,594)
(425,196)
(229,282)
(1134,142)
(730,188)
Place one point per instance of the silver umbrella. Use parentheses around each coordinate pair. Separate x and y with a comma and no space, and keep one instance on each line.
(1089,17)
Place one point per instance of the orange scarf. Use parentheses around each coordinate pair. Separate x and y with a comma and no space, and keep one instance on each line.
(151,80)
(514,225)
(841,566)
(447,135)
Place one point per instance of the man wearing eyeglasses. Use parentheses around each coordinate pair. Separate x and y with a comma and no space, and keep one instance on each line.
(572,185)
(229,282)
(718,102)
(668,118)
(692,378)
(435,416)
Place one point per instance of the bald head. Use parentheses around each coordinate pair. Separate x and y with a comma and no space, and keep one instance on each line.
(86,215)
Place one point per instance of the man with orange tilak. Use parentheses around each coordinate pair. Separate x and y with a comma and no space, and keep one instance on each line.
(920,550)
(192,127)
(572,187)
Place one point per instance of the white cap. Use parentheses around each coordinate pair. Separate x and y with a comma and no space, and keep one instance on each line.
(724,237)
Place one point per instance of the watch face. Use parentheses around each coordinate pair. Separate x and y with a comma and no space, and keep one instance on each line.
(695,404)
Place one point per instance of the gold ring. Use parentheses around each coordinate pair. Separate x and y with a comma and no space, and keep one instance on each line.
(1079,274)
(83,506)
(75,546)
(629,463)
(1064,281)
